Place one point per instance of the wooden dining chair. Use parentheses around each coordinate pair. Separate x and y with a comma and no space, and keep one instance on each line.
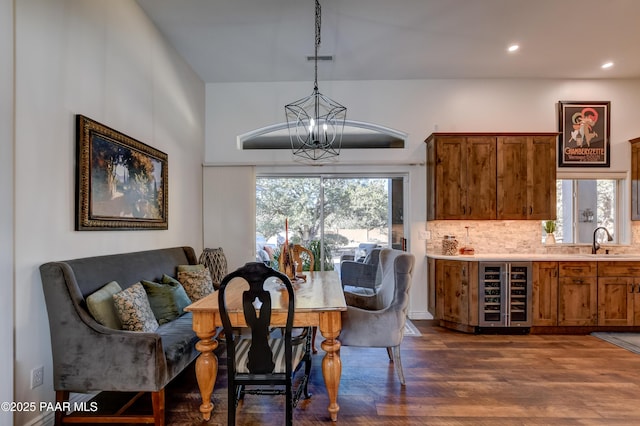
(298,253)
(262,363)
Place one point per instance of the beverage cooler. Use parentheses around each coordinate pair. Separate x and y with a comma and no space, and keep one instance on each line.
(505,294)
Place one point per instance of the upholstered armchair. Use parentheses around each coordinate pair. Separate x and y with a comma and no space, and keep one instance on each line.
(384,327)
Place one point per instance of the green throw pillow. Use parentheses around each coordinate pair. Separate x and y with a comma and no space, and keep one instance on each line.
(167,300)
(101,306)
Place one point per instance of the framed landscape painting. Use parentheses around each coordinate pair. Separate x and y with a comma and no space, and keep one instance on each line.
(584,128)
(121,183)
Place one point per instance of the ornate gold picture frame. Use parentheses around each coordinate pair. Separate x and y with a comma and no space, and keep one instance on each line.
(121,183)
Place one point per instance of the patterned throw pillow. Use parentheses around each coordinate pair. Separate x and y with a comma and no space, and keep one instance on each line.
(134,310)
(197,284)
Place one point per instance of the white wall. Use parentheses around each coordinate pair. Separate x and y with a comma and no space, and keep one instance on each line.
(417,107)
(229,221)
(106,60)
(6,211)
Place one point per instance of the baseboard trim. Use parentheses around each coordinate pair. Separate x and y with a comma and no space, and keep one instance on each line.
(420,315)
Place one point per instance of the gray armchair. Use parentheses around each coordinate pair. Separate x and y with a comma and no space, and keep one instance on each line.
(361,281)
(361,273)
(383,328)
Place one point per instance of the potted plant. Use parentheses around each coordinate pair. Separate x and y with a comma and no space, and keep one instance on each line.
(550,228)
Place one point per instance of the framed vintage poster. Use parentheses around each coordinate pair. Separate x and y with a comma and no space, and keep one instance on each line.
(121,183)
(584,128)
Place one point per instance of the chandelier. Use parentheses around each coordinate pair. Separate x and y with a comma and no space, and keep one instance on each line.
(316,122)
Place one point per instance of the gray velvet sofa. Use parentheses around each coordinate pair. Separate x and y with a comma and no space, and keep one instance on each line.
(88,356)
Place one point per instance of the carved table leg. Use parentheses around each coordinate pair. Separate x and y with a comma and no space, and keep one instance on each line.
(330,325)
(206,366)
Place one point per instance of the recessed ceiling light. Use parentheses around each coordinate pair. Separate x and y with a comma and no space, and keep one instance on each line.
(607,65)
(513,48)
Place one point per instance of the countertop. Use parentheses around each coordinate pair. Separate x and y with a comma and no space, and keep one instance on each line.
(539,257)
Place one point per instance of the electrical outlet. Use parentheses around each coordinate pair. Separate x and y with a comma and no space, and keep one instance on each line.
(424,235)
(37,377)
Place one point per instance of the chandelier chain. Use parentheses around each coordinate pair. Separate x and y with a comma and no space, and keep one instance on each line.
(317,41)
(315,122)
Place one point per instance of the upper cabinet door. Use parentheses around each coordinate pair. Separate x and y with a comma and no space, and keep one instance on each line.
(527,177)
(541,178)
(635,179)
(451,178)
(481,178)
(512,177)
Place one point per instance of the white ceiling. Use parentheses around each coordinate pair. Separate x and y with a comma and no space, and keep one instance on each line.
(269,40)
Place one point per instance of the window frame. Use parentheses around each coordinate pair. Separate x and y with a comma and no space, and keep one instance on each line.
(622,220)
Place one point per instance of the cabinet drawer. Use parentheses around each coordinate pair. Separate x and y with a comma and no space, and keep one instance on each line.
(568,281)
(618,269)
(577,269)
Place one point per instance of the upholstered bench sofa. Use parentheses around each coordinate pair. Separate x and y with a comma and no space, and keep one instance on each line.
(89,356)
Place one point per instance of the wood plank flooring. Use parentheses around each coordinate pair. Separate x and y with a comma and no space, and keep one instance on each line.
(453,379)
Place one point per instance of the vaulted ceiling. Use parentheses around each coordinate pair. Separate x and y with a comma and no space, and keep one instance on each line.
(269,40)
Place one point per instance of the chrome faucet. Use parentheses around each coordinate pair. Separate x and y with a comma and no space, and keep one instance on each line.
(596,246)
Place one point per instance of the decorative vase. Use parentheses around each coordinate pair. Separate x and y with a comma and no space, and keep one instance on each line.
(551,239)
(215,260)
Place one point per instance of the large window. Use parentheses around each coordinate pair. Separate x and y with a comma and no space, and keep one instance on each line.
(584,205)
(330,215)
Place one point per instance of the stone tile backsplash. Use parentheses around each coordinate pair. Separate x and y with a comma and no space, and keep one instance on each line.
(512,236)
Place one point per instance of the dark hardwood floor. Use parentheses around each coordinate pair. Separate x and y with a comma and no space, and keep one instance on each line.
(453,379)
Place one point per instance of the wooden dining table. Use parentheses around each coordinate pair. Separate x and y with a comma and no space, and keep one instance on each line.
(319,300)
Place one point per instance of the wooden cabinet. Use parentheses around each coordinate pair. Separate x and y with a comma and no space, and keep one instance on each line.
(457,291)
(461,177)
(452,297)
(526,177)
(618,293)
(577,293)
(544,301)
(635,179)
(488,176)
(573,295)
(431,286)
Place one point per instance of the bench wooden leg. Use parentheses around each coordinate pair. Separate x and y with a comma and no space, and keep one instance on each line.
(61,396)
(157,399)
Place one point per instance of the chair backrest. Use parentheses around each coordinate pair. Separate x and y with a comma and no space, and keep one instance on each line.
(256,303)
(364,249)
(396,268)
(297,252)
